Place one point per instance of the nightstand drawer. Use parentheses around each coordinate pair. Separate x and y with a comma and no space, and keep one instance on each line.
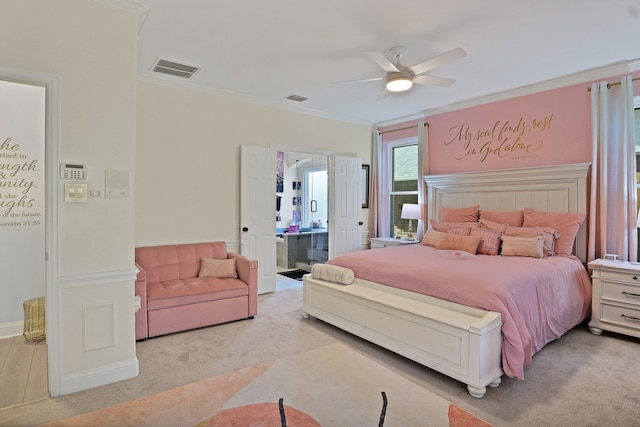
(625,276)
(628,294)
(623,316)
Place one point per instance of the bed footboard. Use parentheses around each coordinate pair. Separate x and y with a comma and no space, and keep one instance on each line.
(461,342)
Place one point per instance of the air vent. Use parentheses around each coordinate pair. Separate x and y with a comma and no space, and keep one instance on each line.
(175,69)
(297,98)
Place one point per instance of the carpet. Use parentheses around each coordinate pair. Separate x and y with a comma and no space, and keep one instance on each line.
(329,386)
(294,274)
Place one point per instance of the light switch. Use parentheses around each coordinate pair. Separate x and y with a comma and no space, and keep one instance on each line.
(75,192)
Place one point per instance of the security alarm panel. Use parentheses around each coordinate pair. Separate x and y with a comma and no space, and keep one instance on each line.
(73,171)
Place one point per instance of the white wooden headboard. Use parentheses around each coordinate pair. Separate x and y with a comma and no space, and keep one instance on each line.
(562,188)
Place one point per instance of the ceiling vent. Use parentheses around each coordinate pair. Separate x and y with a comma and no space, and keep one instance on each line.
(297,98)
(175,69)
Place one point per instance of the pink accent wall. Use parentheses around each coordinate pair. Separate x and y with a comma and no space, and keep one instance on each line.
(546,128)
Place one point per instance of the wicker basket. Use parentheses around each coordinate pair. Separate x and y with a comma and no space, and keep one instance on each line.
(34,320)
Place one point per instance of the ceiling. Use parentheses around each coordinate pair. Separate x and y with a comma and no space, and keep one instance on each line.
(267,50)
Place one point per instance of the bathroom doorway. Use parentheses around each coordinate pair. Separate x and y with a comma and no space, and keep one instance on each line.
(302,212)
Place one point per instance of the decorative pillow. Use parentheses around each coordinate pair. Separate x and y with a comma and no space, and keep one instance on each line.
(218,268)
(444,226)
(459,214)
(490,241)
(549,234)
(432,237)
(460,231)
(566,223)
(461,243)
(523,246)
(491,225)
(514,218)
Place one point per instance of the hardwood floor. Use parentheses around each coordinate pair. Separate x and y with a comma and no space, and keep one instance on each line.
(23,371)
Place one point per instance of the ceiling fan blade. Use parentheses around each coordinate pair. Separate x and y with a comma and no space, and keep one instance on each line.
(373,79)
(434,81)
(438,61)
(383,94)
(382,61)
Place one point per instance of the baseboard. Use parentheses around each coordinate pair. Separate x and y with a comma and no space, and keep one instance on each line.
(98,377)
(12,329)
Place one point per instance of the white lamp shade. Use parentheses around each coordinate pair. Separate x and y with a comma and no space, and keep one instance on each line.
(410,211)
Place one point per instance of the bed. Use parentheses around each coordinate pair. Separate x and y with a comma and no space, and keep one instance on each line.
(418,312)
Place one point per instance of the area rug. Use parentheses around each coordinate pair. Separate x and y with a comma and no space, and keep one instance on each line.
(328,386)
(294,274)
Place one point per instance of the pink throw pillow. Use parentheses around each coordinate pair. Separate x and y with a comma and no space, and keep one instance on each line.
(491,225)
(514,218)
(460,231)
(432,237)
(444,226)
(523,246)
(566,223)
(550,235)
(461,243)
(490,243)
(459,214)
(219,268)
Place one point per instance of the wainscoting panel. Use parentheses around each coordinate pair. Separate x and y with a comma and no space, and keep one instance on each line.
(99,326)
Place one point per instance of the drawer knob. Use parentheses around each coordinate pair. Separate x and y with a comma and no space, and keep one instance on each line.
(635,277)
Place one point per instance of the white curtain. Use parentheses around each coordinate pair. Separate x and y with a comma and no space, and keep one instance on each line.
(423,169)
(613,200)
(375,202)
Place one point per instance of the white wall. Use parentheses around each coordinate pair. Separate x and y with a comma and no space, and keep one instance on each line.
(90,48)
(188,147)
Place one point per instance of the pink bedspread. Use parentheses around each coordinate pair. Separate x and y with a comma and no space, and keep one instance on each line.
(539,299)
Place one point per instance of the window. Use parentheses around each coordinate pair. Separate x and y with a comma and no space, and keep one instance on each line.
(401,178)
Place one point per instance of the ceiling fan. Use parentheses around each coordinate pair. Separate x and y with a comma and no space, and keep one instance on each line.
(400,78)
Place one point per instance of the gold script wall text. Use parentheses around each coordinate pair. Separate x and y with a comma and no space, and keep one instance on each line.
(515,140)
(18,175)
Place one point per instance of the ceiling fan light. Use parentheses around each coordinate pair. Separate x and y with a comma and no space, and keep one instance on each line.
(399,84)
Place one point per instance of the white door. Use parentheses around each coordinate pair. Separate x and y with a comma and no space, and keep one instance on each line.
(258,212)
(345,210)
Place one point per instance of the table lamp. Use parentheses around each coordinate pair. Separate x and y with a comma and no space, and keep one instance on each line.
(410,211)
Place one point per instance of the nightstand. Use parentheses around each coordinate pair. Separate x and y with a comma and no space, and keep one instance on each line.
(383,242)
(615,303)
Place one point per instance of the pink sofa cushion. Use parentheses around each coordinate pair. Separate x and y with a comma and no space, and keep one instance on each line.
(190,291)
(176,262)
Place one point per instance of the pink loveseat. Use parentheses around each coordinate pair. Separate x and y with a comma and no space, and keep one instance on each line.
(174,298)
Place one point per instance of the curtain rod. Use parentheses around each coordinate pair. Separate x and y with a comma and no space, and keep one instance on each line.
(399,129)
(613,84)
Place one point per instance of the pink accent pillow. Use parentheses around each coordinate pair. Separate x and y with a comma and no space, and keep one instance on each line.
(459,214)
(514,218)
(566,223)
(523,246)
(460,231)
(491,225)
(461,243)
(432,237)
(444,226)
(218,268)
(550,235)
(490,243)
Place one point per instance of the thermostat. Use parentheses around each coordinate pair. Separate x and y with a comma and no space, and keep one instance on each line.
(75,171)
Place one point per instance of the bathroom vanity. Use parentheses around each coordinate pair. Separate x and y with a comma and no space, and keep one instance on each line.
(306,246)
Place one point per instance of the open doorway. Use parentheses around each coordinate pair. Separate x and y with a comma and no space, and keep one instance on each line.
(23,212)
(302,213)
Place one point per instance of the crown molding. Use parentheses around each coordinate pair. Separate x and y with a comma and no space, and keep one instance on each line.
(615,69)
(133,6)
(280,105)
